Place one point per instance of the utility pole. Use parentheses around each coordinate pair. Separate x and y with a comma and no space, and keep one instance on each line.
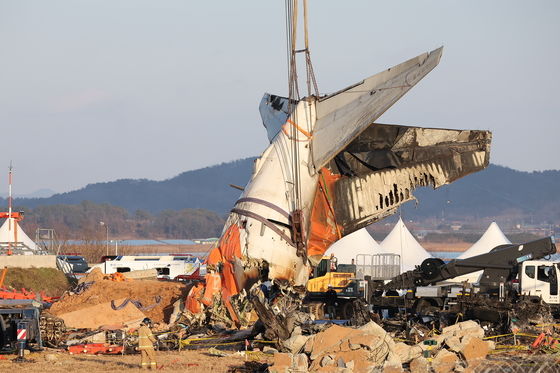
(107,237)
(10,200)
(116,247)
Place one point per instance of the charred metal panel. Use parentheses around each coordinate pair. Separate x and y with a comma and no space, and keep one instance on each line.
(389,162)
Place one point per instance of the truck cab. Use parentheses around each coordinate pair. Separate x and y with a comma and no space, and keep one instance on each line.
(540,278)
(328,272)
(342,278)
(358,279)
(77,263)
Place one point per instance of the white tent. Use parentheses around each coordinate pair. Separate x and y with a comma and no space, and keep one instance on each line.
(359,242)
(11,235)
(401,242)
(490,239)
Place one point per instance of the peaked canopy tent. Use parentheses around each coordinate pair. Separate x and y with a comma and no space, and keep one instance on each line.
(358,242)
(401,242)
(490,239)
(12,236)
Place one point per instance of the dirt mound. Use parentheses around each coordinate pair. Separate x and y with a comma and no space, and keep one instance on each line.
(102,314)
(147,292)
(94,275)
(49,280)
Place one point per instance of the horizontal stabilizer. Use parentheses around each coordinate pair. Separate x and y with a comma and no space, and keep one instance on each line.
(344,115)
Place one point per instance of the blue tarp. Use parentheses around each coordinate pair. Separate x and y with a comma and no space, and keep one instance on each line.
(337,322)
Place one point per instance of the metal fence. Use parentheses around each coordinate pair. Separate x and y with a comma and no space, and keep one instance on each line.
(378,266)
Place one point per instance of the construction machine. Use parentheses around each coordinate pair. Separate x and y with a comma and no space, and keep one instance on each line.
(24,324)
(19,325)
(512,278)
(357,280)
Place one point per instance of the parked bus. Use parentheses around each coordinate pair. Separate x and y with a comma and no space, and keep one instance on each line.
(168,266)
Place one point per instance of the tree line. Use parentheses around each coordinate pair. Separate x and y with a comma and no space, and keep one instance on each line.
(82,222)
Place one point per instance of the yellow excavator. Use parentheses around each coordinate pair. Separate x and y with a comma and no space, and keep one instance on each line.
(328,272)
(350,281)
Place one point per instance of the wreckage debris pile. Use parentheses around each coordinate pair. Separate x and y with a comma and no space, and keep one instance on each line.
(94,301)
(371,349)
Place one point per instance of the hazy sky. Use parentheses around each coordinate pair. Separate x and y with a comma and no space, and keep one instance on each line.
(100,90)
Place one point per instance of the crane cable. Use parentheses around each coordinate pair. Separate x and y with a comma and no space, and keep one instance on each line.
(293,97)
(308,65)
(293,88)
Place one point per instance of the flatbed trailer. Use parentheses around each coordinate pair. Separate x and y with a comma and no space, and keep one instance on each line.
(511,278)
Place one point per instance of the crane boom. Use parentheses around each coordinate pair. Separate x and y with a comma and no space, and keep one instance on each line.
(499,265)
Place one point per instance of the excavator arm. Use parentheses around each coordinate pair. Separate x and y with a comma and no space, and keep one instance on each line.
(499,265)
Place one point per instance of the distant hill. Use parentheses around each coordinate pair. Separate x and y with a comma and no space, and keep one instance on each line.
(496,191)
(207,188)
(40,193)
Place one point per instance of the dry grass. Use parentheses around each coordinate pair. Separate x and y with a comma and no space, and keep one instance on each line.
(201,361)
(171,361)
(446,246)
(50,280)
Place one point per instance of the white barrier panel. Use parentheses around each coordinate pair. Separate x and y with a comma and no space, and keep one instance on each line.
(28,261)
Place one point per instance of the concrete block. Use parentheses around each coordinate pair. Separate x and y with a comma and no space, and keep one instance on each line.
(444,362)
(475,351)
(420,365)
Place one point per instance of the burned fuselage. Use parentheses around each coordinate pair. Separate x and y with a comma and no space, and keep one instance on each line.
(331,170)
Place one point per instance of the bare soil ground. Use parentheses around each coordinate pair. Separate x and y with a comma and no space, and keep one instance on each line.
(145,291)
(453,246)
(446,246)
(199,361)
(202,361)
